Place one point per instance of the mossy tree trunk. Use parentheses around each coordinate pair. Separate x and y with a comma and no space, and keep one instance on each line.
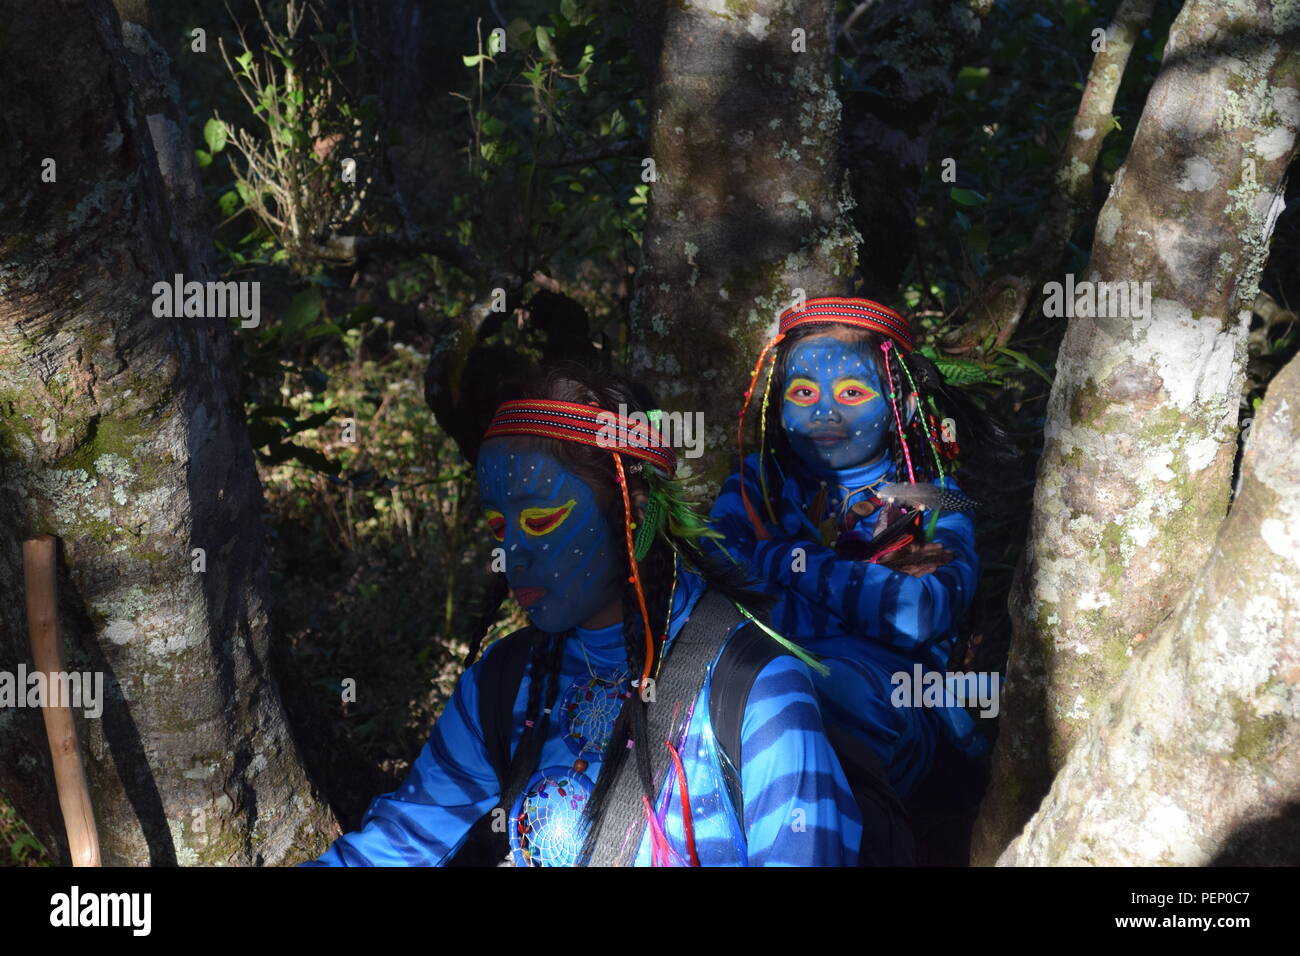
(1194,758)
(1141,425)
(122,434)
(749,203)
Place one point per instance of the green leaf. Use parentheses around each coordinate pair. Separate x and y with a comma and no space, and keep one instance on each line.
(302,312)
(1024,361)
(325,328)
(967,197)
(496,42)
(569,9)
(204,158)
(214,134)
(518,34)
(245,60)
(228,203)
(474,60)
(971,78)
(544,43)
(960,371)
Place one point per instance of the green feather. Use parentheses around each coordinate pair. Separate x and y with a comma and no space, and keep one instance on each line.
(788,644)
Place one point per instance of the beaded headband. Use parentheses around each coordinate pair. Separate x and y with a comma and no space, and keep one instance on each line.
(862,313)
(586,425)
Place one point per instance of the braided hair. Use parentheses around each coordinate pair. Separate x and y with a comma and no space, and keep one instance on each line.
(571,382)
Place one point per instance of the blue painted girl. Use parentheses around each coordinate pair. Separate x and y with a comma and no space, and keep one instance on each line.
(848,416)
(554,503)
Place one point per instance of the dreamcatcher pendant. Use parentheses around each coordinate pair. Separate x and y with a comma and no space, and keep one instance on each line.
(591,706)
(547,825)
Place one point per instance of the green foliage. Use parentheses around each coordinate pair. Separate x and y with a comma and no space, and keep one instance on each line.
(555,123)
(380,566)
(1005,127)
(18,846)
(290,169)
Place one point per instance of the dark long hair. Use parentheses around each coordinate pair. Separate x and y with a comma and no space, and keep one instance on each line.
(571,382)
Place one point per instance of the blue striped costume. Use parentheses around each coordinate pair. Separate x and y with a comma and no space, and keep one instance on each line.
(798,808)
(865,621)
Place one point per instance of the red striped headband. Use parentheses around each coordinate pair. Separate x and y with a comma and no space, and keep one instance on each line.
(586,425)
(862,313)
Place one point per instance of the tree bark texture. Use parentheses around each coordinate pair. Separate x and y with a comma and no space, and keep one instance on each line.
(1194,758)
(122,434)
(1141,425)
(749,203)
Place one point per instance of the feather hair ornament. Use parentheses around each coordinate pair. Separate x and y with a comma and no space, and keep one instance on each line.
(927,496)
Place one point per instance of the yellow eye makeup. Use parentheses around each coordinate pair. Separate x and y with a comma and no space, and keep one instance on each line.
(802,391)
(854,391)
(497,524)
(540,521)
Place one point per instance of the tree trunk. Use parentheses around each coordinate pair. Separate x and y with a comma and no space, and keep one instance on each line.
(749,205)
(122,434)
(1141,424)
(1194,759)
(887,127)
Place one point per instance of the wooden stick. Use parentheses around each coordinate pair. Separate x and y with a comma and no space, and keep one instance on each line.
(40,578)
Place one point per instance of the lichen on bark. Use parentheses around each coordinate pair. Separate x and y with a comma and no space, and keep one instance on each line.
(122,434)
(1194,757)
(1142,421)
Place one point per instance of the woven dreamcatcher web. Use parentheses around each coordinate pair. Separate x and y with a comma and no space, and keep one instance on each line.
(591,707)
(546,824)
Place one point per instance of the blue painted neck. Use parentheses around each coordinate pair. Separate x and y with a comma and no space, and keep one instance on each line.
(854,477)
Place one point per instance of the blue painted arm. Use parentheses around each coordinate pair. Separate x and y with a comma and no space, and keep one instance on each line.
(890,606)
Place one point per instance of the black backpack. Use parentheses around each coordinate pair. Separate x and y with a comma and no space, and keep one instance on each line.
(886,838)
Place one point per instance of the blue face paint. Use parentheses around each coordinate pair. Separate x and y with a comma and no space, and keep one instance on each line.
(562,560)
(834,408)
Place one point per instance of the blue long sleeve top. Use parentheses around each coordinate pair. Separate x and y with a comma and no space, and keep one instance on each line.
(866,621)
(798,810)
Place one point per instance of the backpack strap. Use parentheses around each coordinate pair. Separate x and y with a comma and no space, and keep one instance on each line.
(623,824)
(742,660)
(500,674)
